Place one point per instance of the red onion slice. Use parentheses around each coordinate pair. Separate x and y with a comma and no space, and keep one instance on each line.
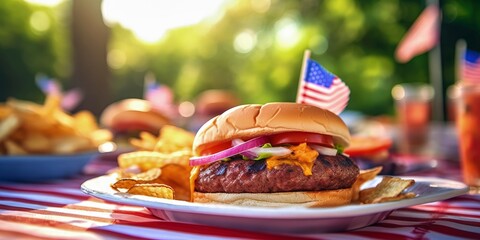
(202,160)
(248,154)
(257,151)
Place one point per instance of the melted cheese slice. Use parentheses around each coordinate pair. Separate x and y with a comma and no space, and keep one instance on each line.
(302,156)
(193,177)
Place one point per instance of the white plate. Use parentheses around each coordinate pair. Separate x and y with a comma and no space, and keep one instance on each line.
(287,220)
(32,168)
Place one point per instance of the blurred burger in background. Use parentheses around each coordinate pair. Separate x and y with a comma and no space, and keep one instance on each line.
(128,117)
(211,103)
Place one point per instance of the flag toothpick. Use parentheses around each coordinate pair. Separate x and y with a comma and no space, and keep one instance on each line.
(306,56)
(321,88)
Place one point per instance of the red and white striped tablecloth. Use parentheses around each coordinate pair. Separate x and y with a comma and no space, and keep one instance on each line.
(59,210)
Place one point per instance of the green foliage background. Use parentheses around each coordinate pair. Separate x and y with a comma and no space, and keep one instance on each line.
(354,39)
(25,52)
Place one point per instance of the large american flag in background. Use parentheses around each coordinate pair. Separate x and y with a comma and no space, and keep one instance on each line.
(422,36)
(323,89)
(471,67)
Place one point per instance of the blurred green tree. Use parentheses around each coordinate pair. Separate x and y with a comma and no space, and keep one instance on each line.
(32,41)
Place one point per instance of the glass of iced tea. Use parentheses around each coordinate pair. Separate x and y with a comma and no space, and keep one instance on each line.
(468,125)
(413,109)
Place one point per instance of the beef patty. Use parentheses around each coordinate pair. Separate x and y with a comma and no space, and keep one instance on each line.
(249,176)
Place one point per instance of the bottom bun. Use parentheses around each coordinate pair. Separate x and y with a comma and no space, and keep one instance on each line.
(327,198)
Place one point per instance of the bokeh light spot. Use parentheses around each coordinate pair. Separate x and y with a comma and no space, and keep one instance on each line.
(116,59)
(186,109)
(245,41)
(261,6)
(287,32)
(39,21)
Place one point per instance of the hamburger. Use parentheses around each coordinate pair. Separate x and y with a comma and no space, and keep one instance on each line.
(273,155)
(130,116)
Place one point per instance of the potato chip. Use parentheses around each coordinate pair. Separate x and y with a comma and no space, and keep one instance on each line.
(125,172)
(100,136)
(84,122)
(12,148)
(24,106)
(389,189)
(51,105)
(8,125)
(18,135)
(36,143)
(176,135)
(396,198)
(5,111)
(146,142)
(146,160)
(165,146)
(149,176)
(125,183)
(178,177)
(153,190)
(70,144)
(364,176)
(364,193)
(174,139)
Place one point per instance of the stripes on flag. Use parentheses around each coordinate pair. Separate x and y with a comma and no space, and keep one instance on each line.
(471,67)
(323,89)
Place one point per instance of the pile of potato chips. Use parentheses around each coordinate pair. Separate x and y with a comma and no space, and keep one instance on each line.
(159,167)
(30,128)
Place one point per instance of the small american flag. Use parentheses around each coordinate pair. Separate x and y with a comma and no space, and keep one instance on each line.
(160,96)
(471,67)
(70,99)
(323,89)
(49,86)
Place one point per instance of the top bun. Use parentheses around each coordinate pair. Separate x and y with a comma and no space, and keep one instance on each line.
(253,120)
(132,114)
(215,101)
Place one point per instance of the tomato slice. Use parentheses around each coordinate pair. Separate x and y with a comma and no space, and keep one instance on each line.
(360,146)
(301,137)
(216,148)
